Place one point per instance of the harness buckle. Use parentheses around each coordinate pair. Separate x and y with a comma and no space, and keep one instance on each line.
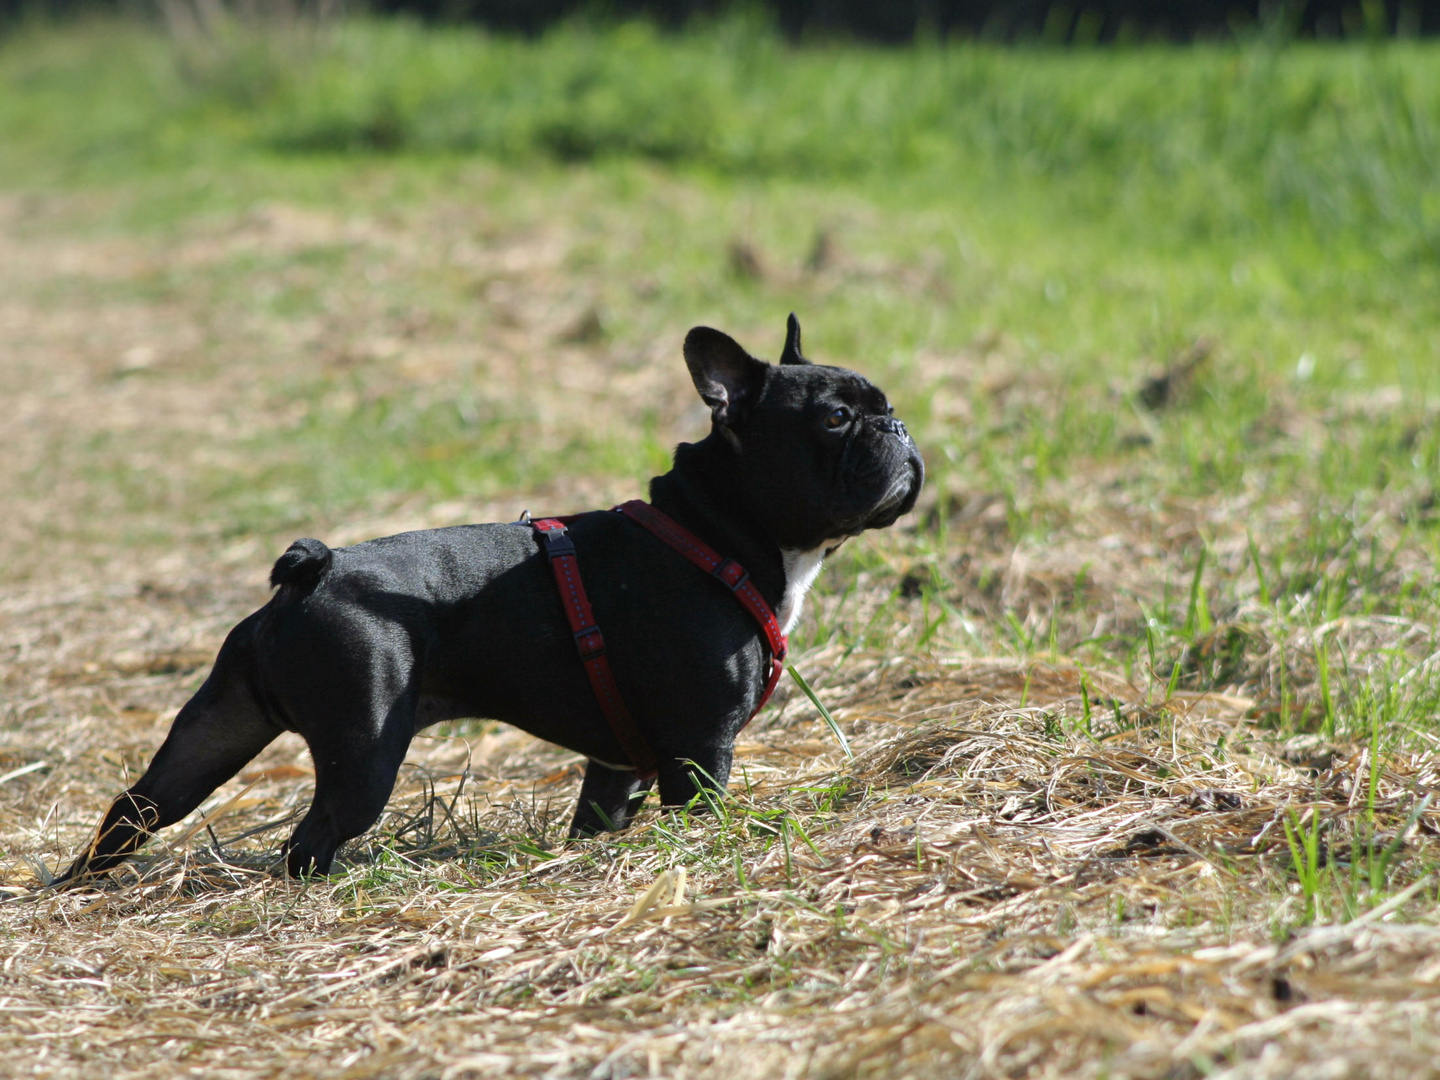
(557,541)
(726,573)
(590,643)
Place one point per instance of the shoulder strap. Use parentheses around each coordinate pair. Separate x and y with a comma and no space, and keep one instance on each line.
(590,642)
(727,571)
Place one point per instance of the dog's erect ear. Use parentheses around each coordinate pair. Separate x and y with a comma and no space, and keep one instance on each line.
(791,354)
(728,378)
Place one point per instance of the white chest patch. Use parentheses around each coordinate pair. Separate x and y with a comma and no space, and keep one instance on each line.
(801,569)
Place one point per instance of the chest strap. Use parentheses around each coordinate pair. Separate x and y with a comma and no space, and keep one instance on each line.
(729,572)
(590,642)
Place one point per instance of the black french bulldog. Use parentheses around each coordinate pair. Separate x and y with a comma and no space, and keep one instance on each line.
(361,647)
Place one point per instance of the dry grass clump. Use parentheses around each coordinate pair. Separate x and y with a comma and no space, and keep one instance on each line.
(1093,883)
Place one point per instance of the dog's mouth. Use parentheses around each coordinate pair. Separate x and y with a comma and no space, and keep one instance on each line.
(892,452)
(900,499)
(896,471)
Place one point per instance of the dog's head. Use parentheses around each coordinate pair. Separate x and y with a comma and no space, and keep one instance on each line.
(820,455)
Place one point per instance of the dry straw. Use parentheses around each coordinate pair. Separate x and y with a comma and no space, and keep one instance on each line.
(1096,883)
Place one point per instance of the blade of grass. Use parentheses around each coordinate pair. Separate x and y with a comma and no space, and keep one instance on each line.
(824,712)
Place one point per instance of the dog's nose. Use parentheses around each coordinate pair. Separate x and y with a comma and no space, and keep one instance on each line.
(891,426)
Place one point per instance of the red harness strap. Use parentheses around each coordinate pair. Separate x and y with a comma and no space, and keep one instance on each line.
(729,572)
(590,642)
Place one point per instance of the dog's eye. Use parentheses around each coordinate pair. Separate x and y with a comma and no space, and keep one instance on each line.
(839,418)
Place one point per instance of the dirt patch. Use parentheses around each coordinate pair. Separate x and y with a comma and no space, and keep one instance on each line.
(135,368)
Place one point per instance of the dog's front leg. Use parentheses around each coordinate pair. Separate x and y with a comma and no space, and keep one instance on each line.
(608,799)
(704,773)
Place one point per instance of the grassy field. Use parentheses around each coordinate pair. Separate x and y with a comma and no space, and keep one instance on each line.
(1143,698)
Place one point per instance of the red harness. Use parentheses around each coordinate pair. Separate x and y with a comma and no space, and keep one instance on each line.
(590,642)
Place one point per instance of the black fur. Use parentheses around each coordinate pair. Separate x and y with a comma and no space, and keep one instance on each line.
(302,564)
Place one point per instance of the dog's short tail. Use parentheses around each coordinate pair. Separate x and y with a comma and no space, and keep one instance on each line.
(302,564)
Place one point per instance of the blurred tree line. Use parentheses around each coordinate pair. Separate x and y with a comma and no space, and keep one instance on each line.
(902,21)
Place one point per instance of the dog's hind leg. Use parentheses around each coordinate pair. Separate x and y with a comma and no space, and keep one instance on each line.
(355,770)
(214,735)
(608,799)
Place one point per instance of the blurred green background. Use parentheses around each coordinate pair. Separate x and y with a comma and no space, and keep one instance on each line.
(1109,289)
(1096,210)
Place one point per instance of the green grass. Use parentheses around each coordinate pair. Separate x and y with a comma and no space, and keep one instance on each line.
(1101,204)
(1067,221)
(1146,188)
(1201,144)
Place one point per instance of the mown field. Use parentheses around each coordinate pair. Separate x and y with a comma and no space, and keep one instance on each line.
(1143,700)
